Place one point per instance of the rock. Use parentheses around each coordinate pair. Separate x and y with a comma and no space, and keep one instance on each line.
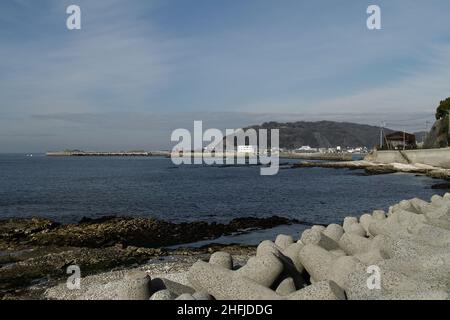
(322,290)
(316,261)
(318,228)
(357,229)
(393,284)
(124,289)
(409,247)
(136,289)
(290,270)
(323,265)
(379,215)
(396,282)
(439,212)
(286,287)
(267,247)
(283,241)
(431,235)
(223,259)
(262,269)
(163,295)
(420,206)
(224,284)
(338,253)
(158,284)
(201,295)
(439,222)
(356,287)
(316,237)
(341,268)
(402,205)
(292,253)
(185,296)
(424,295)
(348,222)
(408,218)
(387,227)
(365,221)
(352,243)
(334,231)
(433,269)
(371,257)
(437,200)
(139,232)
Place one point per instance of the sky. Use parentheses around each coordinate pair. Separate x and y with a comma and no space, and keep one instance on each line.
(139,69)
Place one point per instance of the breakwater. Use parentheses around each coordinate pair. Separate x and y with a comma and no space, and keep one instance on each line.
(107,154)
(401,254)
(432,157)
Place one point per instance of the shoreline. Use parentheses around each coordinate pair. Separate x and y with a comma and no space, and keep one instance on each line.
(372,168)
(409,246)
(31,249)
(326,262)
(35,252)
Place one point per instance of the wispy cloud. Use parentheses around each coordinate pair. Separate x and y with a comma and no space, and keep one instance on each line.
(140,68)
(115,61)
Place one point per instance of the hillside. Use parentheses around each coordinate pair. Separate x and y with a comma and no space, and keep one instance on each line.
(324,134)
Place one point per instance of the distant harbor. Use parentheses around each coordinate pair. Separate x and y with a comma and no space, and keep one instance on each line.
(341,156)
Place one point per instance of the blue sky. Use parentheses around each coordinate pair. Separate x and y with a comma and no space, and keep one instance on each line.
(140,68)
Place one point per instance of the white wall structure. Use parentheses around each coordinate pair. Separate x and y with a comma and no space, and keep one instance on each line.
(433,157)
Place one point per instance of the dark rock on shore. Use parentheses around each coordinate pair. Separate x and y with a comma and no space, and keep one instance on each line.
(139,232)
(19,229)
(444,186)
(379,170)
(43,264)
(39,250)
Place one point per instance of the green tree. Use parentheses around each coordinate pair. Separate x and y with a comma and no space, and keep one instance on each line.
(443,109)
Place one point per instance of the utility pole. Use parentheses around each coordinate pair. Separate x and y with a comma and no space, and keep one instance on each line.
(404,139)
(381,135)
(425,136)
(382,125)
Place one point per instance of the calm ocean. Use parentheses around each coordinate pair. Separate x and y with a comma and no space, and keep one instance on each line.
(67,189)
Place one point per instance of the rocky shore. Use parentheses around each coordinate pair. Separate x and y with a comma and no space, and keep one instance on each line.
(400,254)
(372,168)
(36,251)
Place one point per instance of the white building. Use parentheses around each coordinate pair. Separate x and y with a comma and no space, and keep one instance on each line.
(246,149)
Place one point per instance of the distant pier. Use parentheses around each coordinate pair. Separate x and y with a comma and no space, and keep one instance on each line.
(108,154)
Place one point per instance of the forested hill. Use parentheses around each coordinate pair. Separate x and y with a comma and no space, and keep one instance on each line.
(324,134)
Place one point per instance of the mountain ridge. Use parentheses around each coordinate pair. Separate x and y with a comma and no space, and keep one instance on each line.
(324,134)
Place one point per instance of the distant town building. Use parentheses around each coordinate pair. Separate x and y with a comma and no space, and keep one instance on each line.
(306,149)
(400,140)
